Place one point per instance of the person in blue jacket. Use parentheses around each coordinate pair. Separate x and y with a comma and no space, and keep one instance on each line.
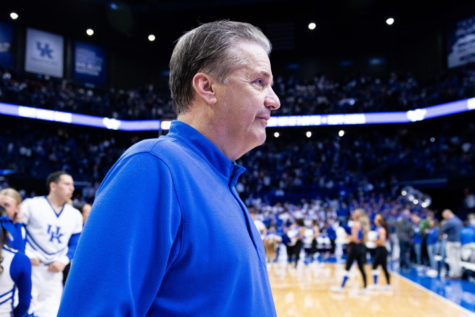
(168,234)
(15,273)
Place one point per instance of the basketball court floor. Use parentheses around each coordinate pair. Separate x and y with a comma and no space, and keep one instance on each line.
(305,291)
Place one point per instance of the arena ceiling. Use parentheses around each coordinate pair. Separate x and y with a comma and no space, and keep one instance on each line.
(342,24)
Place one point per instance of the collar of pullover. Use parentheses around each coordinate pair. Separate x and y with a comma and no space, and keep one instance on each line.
(206,149)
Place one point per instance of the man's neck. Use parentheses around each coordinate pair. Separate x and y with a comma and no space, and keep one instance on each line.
(57,203)
(213,133)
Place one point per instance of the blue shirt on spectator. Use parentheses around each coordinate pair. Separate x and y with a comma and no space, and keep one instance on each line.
(467,235)
(433,236)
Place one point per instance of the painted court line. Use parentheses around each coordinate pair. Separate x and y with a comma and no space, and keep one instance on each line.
(463,309)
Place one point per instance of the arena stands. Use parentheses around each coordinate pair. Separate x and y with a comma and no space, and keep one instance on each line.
(321,95)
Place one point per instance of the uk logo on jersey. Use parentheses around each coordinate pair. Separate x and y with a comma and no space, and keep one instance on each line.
(54,235)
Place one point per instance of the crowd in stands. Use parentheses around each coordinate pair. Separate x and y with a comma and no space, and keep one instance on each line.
(363,160)
(59,94)
(371,94)
(319,95)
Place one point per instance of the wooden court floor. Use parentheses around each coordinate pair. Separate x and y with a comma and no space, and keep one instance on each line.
(305,291)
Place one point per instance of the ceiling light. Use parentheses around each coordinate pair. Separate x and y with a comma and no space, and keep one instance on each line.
(390,21)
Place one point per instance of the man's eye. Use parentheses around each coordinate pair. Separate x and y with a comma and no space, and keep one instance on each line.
(260,82)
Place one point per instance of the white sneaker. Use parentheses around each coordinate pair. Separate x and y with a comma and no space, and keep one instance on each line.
(337,289)
(386,287)
(372,287)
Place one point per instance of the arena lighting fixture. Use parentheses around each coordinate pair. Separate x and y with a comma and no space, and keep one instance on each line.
(90,32)
(14,15)
(390,21)
(432,139)
(426,203)
(113,6)
(395,117)
(416,197)
(308,134)
(151,37)
(341,133)
(276,134)
(312,26)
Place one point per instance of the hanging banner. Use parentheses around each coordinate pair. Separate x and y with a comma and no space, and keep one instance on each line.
(6,39)
(44,53)
(461,43)
(89,63)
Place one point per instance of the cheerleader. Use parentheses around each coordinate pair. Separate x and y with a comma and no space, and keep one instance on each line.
(272,241)
(381,252)
(356,248)
(294,245)
(15,273)
(310,235)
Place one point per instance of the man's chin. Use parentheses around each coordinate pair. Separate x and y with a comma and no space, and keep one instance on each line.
(261,138)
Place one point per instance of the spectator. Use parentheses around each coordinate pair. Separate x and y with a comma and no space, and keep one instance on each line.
(405,234)
(452,228)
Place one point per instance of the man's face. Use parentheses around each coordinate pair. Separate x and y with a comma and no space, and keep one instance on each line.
(64,188)
(246,98)
(10,206)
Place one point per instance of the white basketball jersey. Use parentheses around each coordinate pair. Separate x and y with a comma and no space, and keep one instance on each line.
(48,233)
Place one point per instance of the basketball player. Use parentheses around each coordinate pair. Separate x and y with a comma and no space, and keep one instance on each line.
(10,199)
(168,234)
(381,252)
(53,227)
(356,248)
(15,273)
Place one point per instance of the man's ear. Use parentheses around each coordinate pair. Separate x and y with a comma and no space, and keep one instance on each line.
(203,86)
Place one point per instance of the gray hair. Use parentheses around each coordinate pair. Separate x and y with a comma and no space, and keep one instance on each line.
(207,49)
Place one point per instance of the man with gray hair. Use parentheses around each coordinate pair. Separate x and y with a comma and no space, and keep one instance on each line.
(168,234)
(453,248)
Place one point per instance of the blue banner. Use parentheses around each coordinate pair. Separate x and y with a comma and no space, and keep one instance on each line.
(44,53)
(89,63)
(461,43)
(6,39)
